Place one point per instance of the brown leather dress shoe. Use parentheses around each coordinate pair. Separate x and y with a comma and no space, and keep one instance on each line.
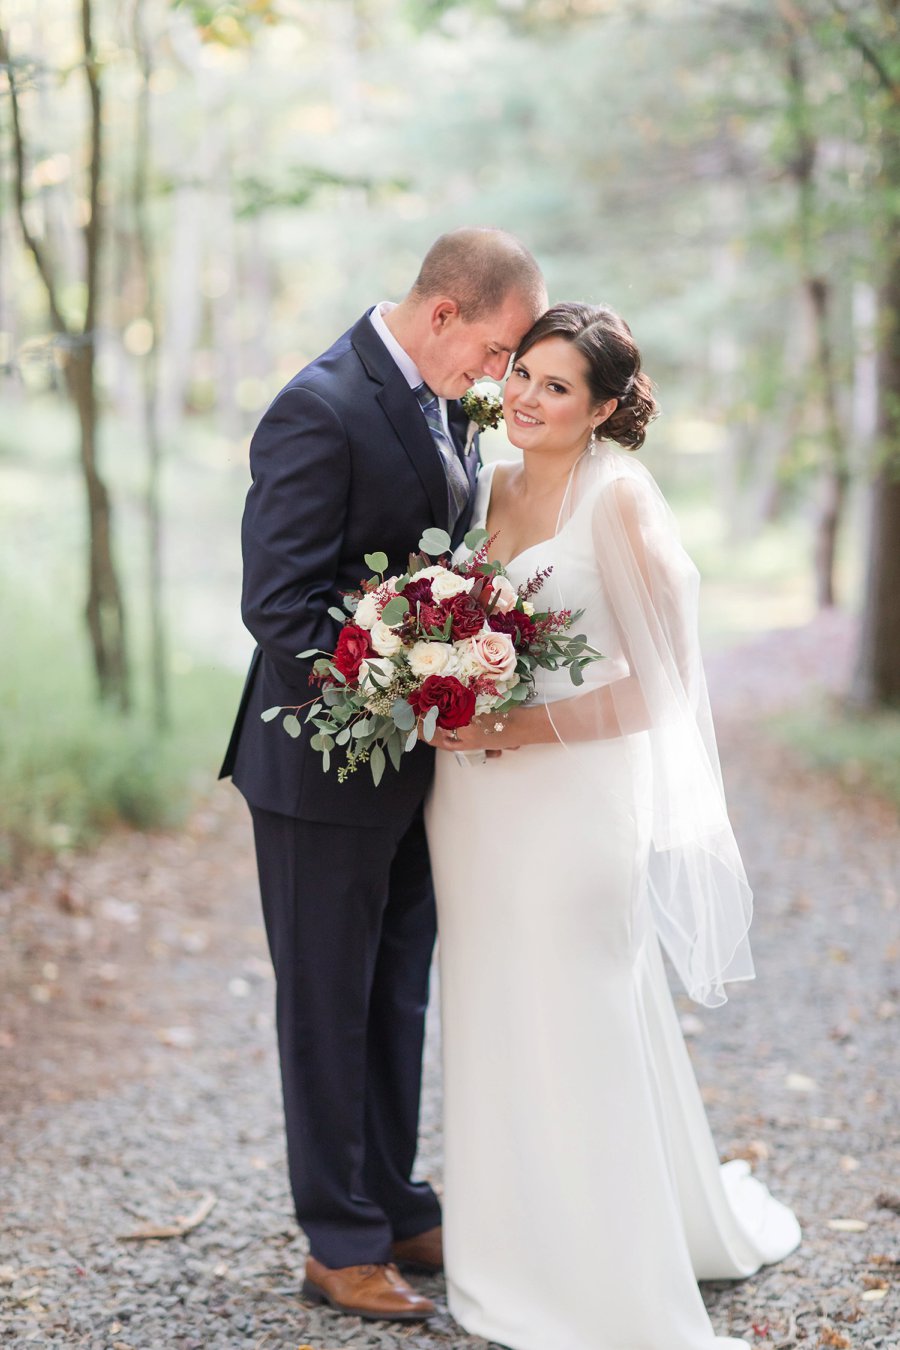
(425,1251)
(376,1292)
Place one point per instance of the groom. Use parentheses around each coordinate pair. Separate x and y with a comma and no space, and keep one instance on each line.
(361,451)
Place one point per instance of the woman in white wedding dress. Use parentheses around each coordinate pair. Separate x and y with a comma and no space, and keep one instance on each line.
(583,1196)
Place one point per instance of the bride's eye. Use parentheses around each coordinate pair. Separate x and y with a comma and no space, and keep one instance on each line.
(520,371)
(557,388)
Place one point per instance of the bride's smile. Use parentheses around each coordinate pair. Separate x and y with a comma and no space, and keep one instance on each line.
(547,402)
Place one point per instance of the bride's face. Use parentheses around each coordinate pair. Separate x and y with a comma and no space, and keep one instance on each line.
(547,404)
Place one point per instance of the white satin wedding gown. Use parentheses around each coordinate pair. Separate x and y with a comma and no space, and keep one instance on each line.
(583,1195)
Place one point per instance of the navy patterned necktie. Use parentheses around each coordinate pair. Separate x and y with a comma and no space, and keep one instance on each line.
(457,483)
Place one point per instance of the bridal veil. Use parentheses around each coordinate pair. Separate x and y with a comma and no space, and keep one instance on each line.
(640,610)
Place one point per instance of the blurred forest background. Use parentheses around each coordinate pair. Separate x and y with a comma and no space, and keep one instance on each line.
(197,197)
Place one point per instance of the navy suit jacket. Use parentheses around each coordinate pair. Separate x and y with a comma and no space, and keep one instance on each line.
(342,464)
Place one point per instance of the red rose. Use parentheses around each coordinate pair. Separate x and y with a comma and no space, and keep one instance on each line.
(455,703)
(516,624)
(468,617)
(351,650)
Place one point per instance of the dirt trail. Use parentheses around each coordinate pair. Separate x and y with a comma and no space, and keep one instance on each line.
(138,1072)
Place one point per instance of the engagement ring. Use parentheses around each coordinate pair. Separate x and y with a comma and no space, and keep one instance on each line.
(454,735)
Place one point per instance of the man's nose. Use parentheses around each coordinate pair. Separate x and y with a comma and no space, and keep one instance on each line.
(495,365)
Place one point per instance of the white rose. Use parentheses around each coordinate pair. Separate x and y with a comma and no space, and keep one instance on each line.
(528,607)
(448,584)
(493,654)
(485,703)
(427,573)
(366,611)
(503,594)
(383,670)
(385,641)
(432,658)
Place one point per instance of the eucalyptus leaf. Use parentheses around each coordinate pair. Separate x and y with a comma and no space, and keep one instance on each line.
(313,712)
(343,736)
(474,539)
(411,740)
(395,751)
(577,677)
(395,611)
(337,613)
(377,763)
(311,651)
(402,714)
(326,761)
(376,561)
(271,713)
(429,722)
(291,726)
(434,542)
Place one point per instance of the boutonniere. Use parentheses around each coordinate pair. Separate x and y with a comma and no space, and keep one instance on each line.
(483,411)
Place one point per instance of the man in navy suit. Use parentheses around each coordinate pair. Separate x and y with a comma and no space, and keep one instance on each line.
(344,462)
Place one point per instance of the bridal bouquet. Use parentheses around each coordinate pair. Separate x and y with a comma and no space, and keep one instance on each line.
(436,647)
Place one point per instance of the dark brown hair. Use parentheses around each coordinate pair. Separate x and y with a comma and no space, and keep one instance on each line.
(613,365)
(478,266)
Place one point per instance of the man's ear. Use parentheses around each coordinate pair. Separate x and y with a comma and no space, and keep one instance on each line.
(443,311)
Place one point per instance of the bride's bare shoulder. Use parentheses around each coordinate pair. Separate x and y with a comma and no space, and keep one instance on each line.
(500,471)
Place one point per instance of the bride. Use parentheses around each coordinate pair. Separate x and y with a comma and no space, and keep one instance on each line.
(583,1193)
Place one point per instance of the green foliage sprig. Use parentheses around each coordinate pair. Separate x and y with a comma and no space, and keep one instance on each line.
(484,409)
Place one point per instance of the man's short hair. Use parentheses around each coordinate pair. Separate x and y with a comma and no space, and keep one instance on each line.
(478,266)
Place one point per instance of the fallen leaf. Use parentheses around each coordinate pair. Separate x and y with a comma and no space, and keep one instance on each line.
(873,1295)
(848,1164)
(886,1200)
(798,1082)
(753,1152)
(828,1336)
(847,1225)
(183,1223)
(875,1282)
(180,1038)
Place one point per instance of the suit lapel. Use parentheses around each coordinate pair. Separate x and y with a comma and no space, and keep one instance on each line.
(405,415)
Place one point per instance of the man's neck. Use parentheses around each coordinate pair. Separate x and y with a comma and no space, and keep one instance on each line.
(399,323)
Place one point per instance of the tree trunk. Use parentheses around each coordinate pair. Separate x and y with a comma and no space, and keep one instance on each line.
(105,611)
(835,478)
(877,678)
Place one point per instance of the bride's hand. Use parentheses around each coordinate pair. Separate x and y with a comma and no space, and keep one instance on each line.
(481,734)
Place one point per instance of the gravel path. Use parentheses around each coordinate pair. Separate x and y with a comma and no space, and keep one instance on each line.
(139,1077)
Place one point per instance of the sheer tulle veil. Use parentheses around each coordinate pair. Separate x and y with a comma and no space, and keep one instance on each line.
(640,610)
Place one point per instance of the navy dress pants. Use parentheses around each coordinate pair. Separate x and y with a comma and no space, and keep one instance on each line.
(350,921)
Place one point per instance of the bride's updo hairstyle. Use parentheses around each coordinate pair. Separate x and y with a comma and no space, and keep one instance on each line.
(613,362)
